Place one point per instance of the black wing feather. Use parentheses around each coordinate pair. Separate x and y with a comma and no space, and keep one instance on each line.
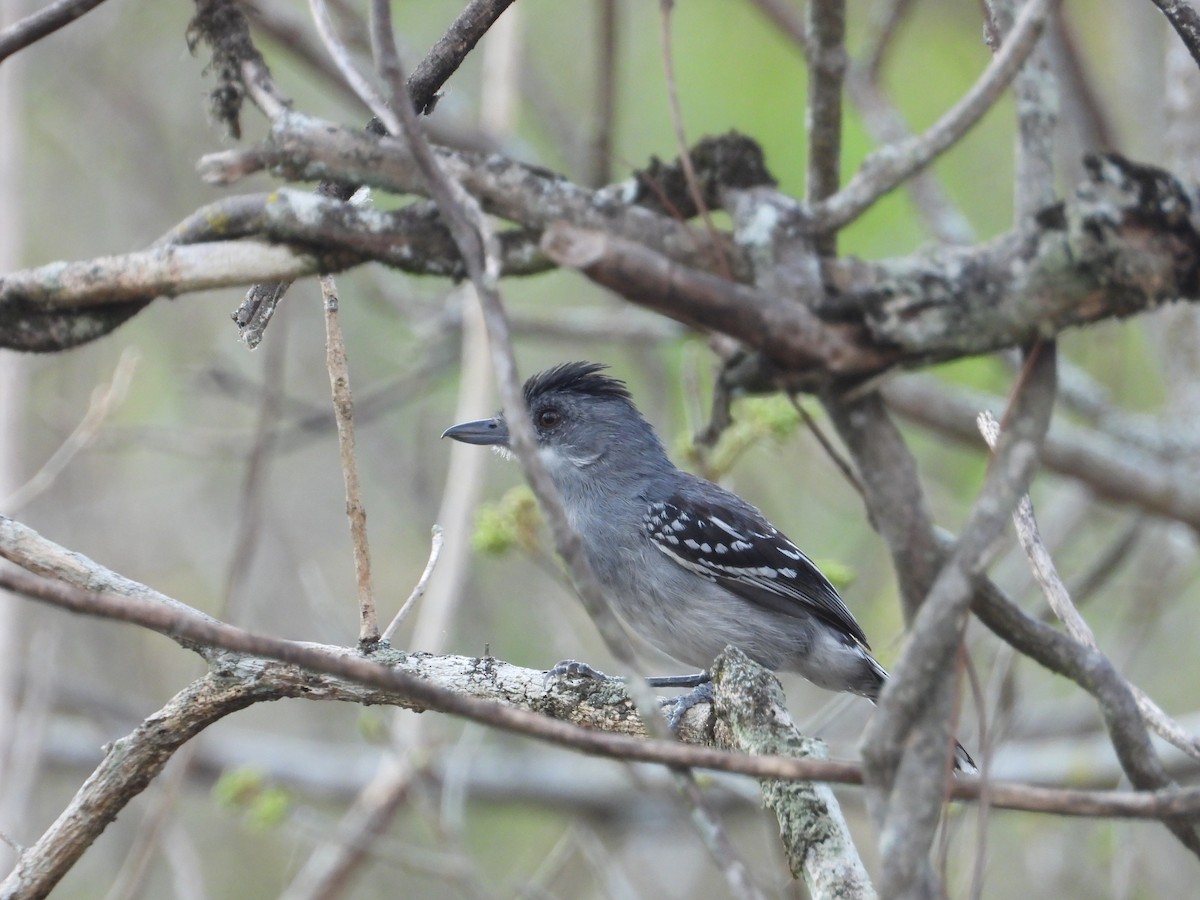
(728,541)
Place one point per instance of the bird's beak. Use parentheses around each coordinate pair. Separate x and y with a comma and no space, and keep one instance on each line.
(484,432)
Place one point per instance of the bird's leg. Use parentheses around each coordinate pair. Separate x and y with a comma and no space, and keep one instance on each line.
(573,668)
(660,681)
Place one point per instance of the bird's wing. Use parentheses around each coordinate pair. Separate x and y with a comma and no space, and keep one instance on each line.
(728,541)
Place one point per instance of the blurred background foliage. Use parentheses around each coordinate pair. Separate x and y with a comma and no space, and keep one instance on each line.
(109,120)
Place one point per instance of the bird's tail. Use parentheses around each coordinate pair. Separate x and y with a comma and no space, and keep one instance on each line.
(962,759)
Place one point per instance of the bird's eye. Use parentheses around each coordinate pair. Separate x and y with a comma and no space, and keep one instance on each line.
(549,418)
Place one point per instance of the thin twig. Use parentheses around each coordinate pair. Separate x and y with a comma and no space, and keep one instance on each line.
(45,21)
(1060,601)
(826,71)
(835,456)
(712,831)
(418,591)
(343,410)
(105,400)
(685,155)
(888,167)
(600,157)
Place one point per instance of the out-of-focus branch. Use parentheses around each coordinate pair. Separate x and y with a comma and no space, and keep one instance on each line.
(909,743)
(128,766)
(826,71)
(46,21)
(1036,91)
(1186,22)
(886,168)
(1112,467)
(1059,598)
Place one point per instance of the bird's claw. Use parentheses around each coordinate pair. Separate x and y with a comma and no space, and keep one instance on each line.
(702,693)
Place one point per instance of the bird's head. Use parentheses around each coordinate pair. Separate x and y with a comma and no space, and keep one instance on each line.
(582,418)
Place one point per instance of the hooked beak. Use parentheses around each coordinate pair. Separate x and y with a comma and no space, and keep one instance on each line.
(484,432)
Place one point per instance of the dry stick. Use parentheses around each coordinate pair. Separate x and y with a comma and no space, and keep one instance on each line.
(886,124)
(343,410)
(105,400)
(1060,601)
(599,170)
(711,829)
(826,70)
(418,591)
(33,28)
(127,601)
(685,154)
(333,864)
(476,241)
(887,167)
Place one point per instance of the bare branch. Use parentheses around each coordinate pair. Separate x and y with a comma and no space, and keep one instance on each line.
(1059,598)
(909,743)
(46,21)
(343,410)
(1186,22)
(1111,467)
(886,168)
(826,71)
(129,765)
(418,590)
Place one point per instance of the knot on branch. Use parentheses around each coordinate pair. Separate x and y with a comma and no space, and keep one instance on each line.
(1141,222)
(726,161)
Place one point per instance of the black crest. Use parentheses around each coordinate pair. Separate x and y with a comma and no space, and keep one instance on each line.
(575,378)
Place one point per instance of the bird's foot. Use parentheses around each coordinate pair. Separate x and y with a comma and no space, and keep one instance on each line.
(702,693)
(573,668)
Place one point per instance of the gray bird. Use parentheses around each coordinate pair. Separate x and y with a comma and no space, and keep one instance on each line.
(685,564)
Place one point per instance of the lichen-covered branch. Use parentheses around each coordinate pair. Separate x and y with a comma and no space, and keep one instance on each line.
(752,717)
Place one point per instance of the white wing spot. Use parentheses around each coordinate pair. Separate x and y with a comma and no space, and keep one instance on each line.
(788,573)
(691,544)
(726,527)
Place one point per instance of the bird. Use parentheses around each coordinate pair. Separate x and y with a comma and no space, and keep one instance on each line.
(685,564)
